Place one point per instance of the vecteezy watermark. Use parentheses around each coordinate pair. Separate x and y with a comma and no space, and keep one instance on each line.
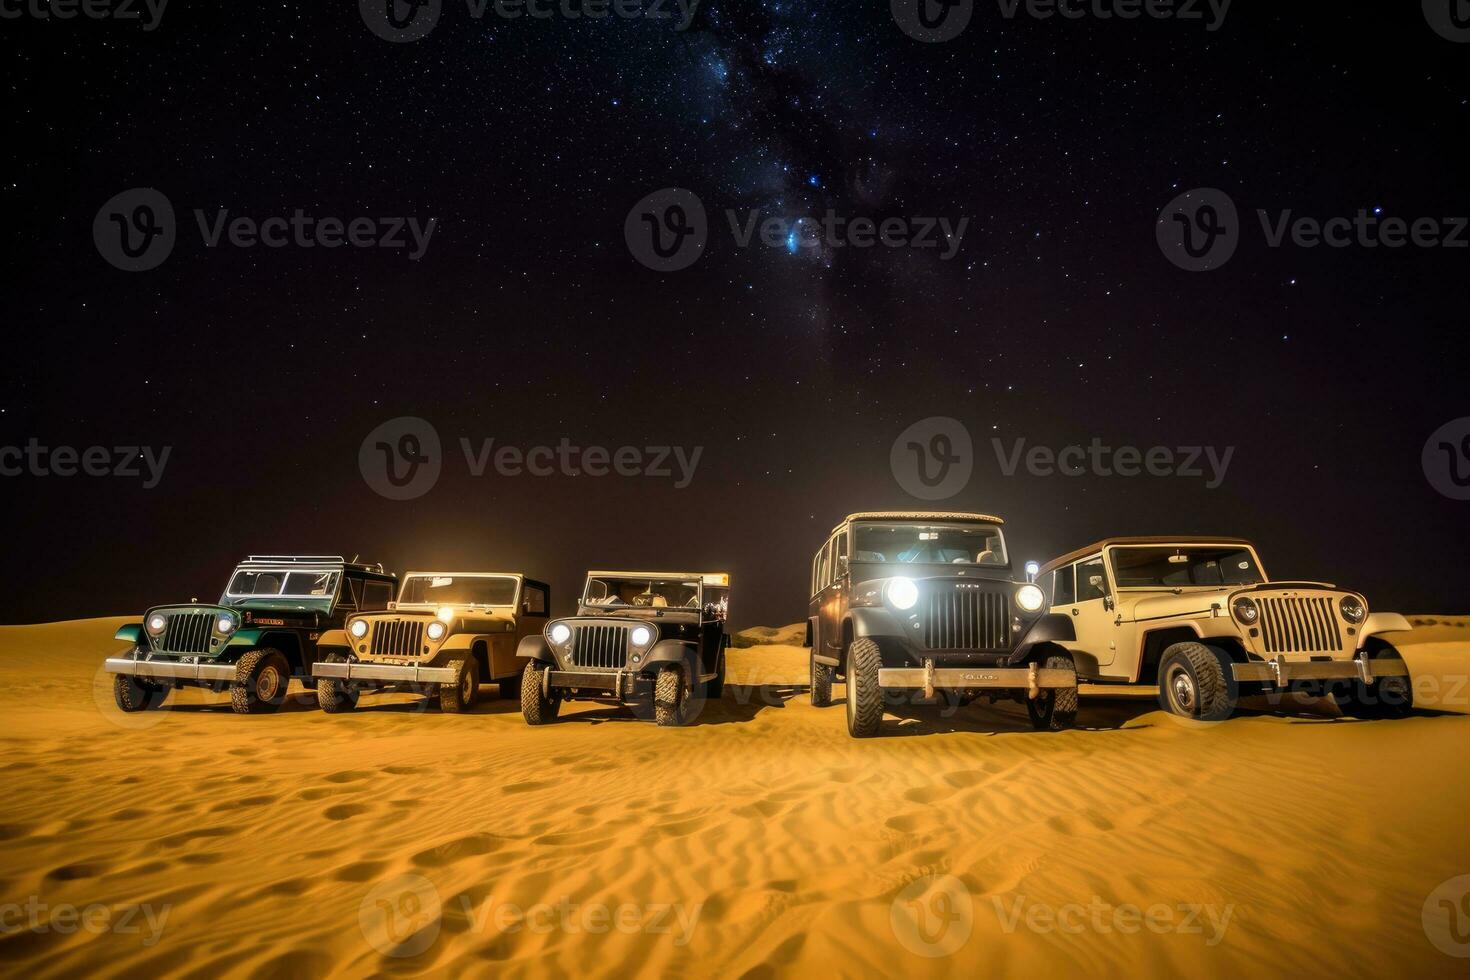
(136,230)
(403,458)
(933,458)
(933,916)
(400,917)
(1449,18)
(126,462)
(1097,459)
(1104,918)
(148,12)
(1446,917)
(933,21)
(146,921)
(401,21)
(669,229)
(1200,230)
(1446,459)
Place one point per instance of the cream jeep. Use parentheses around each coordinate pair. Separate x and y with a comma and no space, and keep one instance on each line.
(1199,618)
(447,633)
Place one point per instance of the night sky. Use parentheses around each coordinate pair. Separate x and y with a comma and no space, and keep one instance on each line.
(1058,319)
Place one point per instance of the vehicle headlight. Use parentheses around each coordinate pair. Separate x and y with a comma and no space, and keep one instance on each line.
(446,615)
(901,593)
(436,631)
(1030,598)
(225,624)
(640,636)
(1246,610)
(560,633)
(358,628)
(155,624)
(1353,609)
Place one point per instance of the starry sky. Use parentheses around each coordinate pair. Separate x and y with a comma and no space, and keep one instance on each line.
(527,320)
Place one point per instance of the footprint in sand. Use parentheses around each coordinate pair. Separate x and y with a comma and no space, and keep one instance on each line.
(402,770)
(927,794)
(450,852)
(13,831)
(347,776)
(80,871)
(523,787)
(343,811)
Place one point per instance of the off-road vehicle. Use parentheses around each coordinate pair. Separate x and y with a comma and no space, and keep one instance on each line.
(1198,617)
(928,603)
(638,637)
(447,633)
(263,632)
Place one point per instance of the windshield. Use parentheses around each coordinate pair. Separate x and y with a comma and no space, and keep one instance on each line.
(657,593)
(283,582)
(459,590)
(1174,568)
(943,544)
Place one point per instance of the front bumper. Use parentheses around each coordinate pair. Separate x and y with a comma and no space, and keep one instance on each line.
(1282,672)
(1032,679)
(615,683)
(400,673)
(170,670)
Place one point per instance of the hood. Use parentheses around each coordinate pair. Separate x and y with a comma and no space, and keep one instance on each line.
(1158,605)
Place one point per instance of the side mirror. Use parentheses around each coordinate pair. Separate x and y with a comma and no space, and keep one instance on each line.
(1032,570)
(1108,603)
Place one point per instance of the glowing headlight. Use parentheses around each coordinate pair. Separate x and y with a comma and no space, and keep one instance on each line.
(1353,609)
(156,623)
(561,633)
(436,631)
(640,636)
(901,593)
(1246,610)
(446,615)
(358,628)
(1030,598)
(226,624)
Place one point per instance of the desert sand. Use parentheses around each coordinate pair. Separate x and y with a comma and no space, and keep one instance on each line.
(760,841)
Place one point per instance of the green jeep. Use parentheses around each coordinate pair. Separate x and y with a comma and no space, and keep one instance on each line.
(262,632)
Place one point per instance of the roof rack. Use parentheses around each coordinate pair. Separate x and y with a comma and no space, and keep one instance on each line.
(305,559)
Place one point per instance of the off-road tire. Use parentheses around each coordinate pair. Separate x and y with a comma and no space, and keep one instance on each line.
(1195,682)
(460,696)
(333,696)
(1055,708)
(536,708)
(715,689)
(671,696)
(821,678)
(251,692)
(1387,697)
(132,694)
(864,695)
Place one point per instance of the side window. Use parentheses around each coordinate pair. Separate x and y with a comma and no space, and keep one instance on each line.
(1064,589)
(841,553)
(816,573)
(824,560)
(376,596)
(1092,582)
(533,601)
(350,599)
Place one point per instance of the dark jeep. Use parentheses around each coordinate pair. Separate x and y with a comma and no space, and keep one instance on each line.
(262,632)
(927,602)
(637,636)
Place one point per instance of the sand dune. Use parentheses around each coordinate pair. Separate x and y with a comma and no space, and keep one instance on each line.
(760,841)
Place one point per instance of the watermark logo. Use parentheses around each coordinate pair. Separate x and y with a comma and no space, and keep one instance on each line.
(1210,922)
(145,921)
(933,916)
(401,917)
(1446,459)
(932,21)
(1098,459)
(1199,230)
(402,458)
(667,230)
(400,21)
(1449,18)
(1106,10)
(933,458)
(135,230)
(1446,917)
(149,12)
(143,463)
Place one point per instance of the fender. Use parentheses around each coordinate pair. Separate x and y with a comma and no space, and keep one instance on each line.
(670,652)
(242,640)
(1384,622)
(535,648)
(873,621)
(130,633)
(463,642)
(813,627)
(1050,628)
(336,639)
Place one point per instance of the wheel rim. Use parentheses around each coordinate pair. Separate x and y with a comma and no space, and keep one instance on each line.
(466,687)
(267,683)
(1181,690)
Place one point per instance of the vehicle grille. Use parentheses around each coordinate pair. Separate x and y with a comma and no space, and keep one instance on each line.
(603,647)
(187,633)
(398,638)
(1300,625)
(966,619)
